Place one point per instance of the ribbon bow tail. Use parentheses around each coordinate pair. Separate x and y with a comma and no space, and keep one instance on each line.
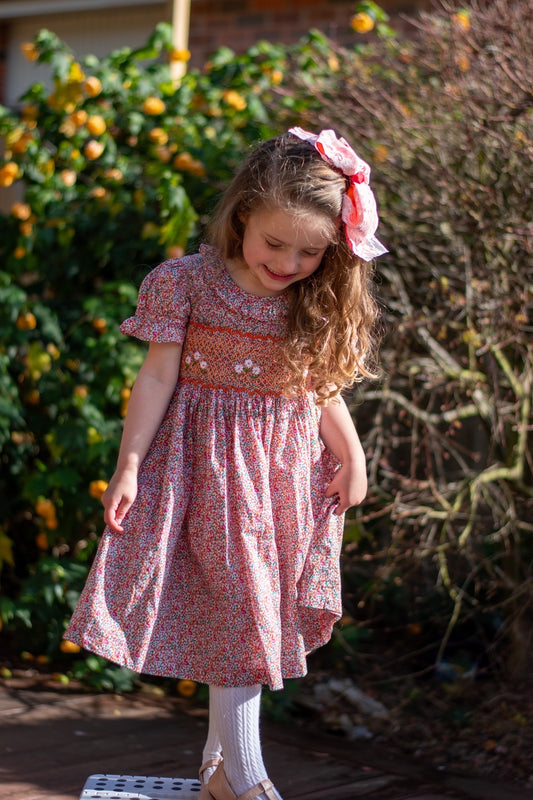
(360,217)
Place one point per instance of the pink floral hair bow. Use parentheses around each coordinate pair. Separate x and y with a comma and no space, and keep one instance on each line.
(359,211)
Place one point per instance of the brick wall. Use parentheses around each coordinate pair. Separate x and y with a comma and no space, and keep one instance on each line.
(240,23)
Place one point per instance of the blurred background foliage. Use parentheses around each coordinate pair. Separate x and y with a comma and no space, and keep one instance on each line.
(120,168)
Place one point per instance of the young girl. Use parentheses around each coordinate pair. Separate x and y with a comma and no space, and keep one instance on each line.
(220,560)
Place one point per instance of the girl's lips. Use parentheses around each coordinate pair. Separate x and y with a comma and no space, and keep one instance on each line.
(275,275)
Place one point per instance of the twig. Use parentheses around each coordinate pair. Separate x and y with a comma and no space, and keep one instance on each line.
(515,473)
(462,412)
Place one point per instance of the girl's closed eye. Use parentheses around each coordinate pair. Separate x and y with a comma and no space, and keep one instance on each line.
(278,245)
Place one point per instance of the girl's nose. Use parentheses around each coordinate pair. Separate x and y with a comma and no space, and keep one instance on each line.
(287,264)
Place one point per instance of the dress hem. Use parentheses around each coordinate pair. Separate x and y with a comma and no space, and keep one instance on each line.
(190,675)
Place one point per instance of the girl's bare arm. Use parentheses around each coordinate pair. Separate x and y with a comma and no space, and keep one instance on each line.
(339,434)
(148,403)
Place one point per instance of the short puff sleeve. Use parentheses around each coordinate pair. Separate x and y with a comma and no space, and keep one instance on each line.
(163,306)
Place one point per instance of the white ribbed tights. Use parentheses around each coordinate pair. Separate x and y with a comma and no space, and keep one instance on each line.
(234,731)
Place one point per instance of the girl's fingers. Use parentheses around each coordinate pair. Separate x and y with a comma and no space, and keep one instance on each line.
(115,513)
(339,508)
(123,508)
(332,487)
(112,523)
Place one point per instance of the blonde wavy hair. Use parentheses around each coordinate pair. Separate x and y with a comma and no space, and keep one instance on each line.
(331,336)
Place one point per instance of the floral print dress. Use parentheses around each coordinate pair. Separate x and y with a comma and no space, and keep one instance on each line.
(228,572)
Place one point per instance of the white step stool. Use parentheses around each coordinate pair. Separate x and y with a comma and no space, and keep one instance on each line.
(139,787)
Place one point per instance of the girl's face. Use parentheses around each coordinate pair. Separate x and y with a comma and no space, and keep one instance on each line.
(280,248)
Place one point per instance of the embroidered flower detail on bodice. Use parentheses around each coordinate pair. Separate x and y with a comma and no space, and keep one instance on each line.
(248,368)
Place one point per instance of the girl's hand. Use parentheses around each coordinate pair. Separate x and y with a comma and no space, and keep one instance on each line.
(118,498)
(350,485)
(339,435)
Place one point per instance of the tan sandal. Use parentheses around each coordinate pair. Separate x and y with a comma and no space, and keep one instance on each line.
(220,789)
(205,794)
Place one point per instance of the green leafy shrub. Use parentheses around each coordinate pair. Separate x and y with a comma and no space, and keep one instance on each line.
(48,595)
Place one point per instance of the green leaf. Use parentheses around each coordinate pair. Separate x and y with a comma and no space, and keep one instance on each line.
(136,122)
(373,10)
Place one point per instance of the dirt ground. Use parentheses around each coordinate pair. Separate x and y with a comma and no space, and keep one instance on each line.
(483,727)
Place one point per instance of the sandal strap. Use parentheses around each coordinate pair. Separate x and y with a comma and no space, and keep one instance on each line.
(219,788)
(212,762)
(263,787)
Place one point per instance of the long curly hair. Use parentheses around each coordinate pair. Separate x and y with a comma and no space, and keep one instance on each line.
(332,333)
